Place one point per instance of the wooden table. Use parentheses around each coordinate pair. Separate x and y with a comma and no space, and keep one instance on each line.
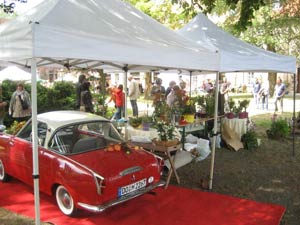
(167,152)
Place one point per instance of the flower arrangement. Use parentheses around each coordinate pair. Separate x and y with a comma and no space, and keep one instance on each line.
(166,134)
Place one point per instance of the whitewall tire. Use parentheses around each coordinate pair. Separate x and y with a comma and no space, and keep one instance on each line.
(65,201)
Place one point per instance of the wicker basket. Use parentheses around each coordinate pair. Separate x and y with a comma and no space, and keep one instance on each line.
(165,143)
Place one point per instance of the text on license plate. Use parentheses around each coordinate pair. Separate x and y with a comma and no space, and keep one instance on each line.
(131,187)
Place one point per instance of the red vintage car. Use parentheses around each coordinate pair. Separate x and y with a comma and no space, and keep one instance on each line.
(83,161)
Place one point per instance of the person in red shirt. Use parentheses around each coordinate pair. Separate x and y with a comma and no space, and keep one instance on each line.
(120,100)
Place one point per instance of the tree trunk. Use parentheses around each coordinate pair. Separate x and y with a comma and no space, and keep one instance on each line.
(272,76)
(298,80)
(272,81)
(102,81)
(148,86)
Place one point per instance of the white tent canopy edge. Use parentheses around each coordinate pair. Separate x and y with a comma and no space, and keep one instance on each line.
(235,56)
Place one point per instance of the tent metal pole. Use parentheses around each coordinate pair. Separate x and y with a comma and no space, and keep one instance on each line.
(35,155)
(125,69)
(212,164)
(191,83)
(294,113)
(125,103)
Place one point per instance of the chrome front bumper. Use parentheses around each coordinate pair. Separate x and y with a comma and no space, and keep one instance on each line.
(125,198)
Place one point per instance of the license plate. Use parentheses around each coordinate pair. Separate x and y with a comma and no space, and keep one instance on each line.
(131,187)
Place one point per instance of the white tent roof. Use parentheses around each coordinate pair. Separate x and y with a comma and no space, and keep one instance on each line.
(235,55)
(94,32)
(14,73)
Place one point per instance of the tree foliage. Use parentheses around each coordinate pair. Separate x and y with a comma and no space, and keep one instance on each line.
(9,6)
(245,9)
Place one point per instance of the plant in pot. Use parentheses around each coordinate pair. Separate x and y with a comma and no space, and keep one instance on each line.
(231,106)
(135,121)
(147,122)
(243,105)
(189,110)
(200,100)
(210,105)
(166,134)
(161,111)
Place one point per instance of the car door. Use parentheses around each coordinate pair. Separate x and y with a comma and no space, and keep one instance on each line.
(24,151)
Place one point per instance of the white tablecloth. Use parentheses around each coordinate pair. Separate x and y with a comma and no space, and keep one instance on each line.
(238,125)
(140,135)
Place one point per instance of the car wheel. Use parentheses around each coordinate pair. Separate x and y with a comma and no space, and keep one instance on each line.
(65,201)
(3,175)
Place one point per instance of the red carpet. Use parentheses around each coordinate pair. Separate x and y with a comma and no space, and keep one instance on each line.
(174,206)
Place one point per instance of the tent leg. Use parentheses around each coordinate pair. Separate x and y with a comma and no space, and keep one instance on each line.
(35,142)
(214,133)
(125,103)
(294,114)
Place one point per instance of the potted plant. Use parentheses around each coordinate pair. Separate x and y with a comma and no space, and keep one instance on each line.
(147,121)
(161,111)
(135,121)
(201,102)
(166,134)
(243,105)
(231,105)
(189,110)
(209,105)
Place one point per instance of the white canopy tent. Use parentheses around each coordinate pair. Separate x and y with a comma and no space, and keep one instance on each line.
(89,34)
(235,56)
(14,73)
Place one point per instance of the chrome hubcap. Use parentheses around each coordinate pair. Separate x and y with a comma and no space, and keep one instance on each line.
(65,199)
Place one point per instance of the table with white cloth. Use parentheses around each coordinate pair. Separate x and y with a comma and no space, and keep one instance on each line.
(146,136)
(238,125)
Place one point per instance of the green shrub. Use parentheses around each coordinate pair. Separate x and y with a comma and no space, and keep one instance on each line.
(279,129)
(250,140)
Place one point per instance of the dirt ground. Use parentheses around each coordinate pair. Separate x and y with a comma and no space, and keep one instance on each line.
(269,174)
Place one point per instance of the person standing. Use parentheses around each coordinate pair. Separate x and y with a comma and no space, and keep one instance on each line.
(20,104)
(120,100)
(256,89)
(223,96)
(81,79)
(158,91)
(86,103)
(264,94)
(280,90)
(169,89)
(133,93)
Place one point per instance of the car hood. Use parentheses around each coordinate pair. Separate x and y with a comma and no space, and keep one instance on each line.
(110,163)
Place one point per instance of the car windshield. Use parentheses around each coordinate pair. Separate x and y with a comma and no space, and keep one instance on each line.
(83,137)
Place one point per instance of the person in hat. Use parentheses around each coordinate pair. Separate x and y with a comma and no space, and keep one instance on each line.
(133,94)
